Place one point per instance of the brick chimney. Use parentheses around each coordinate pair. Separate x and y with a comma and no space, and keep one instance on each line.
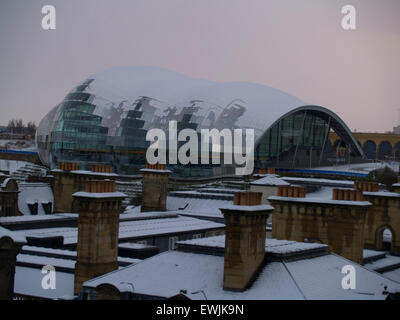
(154,187)
(396,186)
(10,246)
(339,222)
(244,239)
(67,166)
(101,168)
(347,195)
(291,191)
(366,186)
(98,226)
(271,170)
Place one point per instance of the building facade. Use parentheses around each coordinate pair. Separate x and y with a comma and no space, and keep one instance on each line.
(105,120)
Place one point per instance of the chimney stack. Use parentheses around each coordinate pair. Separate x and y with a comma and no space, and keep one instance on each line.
(67,166)
(347,195)
(98,226)
(245,235)
(366,186)
(10,246)
(292,191)
(154,187)
(101,168)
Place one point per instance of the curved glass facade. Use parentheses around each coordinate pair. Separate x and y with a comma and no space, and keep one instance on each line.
(284,141)
(105,120)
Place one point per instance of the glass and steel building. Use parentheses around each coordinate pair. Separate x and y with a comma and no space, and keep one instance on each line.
(105,119)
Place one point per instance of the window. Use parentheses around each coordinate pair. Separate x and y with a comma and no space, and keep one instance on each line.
(197,236)
(172,243)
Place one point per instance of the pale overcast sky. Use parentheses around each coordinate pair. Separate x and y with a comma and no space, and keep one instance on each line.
(297,46)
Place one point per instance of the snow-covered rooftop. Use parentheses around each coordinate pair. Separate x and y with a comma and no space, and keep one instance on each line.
(197,206)
(270,180)
(257,208)
(383,194)
(30,218)
(32,193)
(100,195)
(273,247)
(197,194)
(166,274)
(322,201)
(131,245)
(87,172)
(134,229)
(155,170)
(135,214)
(11,165)
(325,182)
(14,235)
(387,263)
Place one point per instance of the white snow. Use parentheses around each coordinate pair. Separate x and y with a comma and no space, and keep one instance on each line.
(4,184)
(136,214)
(16,236)
(367,253)
(171,89)
(29,218)
(11,165)
(257,208)
(86,172)
(197,206)
(321,201)
(95,195)
(32,193)
(155,171)
(382,194)
(271,245)
(393,275)
(319,181)
(29,252)
(270,180)
(130,245)
(321,193)
(166,274)
(388,261)
(43,261)
(134,229)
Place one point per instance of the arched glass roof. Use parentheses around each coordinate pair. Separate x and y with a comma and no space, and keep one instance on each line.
(113,98)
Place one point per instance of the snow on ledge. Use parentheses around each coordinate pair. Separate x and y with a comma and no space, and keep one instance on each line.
(155,170)
(322,201)
(270,180)
(257,208)
(15,236)
(382,194)
(87,172)
(95,195)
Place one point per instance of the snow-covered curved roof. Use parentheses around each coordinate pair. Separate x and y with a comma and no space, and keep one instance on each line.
(263,104)
(169,96)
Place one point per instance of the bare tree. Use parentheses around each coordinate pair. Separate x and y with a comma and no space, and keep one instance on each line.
(31,127)
(11,126)
(19,126)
